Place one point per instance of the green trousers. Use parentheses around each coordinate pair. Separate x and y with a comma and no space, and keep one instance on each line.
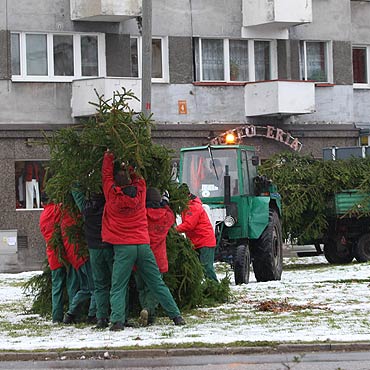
(207,258)
(146,298)
(58,280)
(85,291)
(125,257)
(102,266)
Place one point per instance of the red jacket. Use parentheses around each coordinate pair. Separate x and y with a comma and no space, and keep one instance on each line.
(49,217)
(32,171)
(124,218)
(160,221)
(196,225)
(71,249)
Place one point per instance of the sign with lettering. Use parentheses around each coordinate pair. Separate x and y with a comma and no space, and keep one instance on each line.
(183,109)
(269,132)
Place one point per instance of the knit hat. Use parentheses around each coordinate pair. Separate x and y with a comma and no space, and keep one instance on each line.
(153,195)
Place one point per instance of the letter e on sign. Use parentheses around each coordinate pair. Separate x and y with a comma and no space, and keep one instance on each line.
(183,109)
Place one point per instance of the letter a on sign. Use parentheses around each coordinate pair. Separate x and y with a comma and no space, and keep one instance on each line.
(183,109)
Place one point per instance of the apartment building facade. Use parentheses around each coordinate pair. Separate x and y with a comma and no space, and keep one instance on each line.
(293,73)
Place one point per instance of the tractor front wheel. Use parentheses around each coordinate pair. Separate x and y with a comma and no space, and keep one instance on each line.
(268,251)
(242,263)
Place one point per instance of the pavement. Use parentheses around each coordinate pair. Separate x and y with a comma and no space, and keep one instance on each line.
(151,353)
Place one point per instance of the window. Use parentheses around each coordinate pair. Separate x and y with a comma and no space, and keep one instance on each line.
(314,61)
(360,60)
(205,175)
(29,178)
(160,68)
(262,60)
(233,60)
(63,55)
(56,57)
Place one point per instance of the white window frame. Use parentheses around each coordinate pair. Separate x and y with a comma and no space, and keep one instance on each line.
(50,57)
(328,60)
(367,84)
(251,65)
(165,62)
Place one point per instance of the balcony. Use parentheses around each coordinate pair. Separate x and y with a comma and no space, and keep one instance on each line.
(83,92)
(272,18)
(105,10)
(279,98)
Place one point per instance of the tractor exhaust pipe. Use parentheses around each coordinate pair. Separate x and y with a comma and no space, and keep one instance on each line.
(227,191)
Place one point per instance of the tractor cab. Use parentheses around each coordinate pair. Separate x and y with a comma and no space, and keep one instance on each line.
(244,208)
(204,170)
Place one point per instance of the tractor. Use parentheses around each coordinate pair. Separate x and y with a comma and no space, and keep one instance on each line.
(244,208)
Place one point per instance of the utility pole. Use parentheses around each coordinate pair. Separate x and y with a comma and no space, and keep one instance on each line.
(146,78)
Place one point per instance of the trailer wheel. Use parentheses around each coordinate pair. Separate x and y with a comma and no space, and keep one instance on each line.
(336,253)
(268,251)
(242,264)
(361,250)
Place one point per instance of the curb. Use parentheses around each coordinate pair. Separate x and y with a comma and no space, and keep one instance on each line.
(110,354)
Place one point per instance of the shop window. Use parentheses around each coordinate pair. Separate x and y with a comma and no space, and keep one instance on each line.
(29,179)
(360,63)
(364,140)
(160,67)
(234,60)
(314,57)
(59,57)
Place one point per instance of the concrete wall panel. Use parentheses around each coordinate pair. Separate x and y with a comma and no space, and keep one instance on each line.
(180,60)
(204,103)
(333,105)
(360,11)
(4,54)
(35,102)
(361,106)
(342,63)
(118,56)
(331,21)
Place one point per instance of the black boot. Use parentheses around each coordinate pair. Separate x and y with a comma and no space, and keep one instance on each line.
(101,324)
(117,326)
(69,319)
(178,320)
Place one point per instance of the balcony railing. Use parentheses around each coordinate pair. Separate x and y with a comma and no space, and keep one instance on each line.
(83,92)
(105,10)
(279,98)
(272,18)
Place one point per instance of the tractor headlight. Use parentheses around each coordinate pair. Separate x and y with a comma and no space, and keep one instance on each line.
(229,221)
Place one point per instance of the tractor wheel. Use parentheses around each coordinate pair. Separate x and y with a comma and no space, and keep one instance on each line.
(337,253)
(361,250)
(268,251)
(242,264)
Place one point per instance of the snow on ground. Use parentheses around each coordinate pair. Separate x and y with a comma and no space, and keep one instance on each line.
(332,303)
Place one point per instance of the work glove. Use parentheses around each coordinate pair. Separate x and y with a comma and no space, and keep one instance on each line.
(130,190)
(165,198)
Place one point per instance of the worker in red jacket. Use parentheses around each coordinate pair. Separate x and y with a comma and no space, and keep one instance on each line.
(125,226)
(81,273)
(160,219)
(49,218)
(198,228)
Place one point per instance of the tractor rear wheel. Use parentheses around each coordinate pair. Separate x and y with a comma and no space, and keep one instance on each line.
(337,253)
(361,250)
(242,264)
(268,251)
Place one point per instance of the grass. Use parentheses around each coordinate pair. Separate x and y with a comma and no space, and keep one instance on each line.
(295,307)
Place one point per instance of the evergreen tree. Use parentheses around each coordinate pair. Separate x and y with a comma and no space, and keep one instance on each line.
(76,158)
